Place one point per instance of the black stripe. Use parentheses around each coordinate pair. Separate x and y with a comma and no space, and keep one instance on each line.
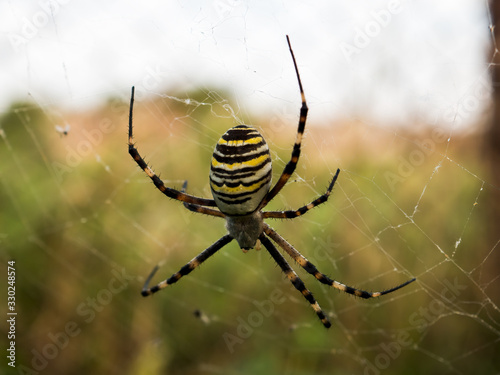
(238,149)
(324,319)
(239,182)
(233,159)
(240,135)
(239,170)
(238,195)
(240,201)
(233,175)
(153,289)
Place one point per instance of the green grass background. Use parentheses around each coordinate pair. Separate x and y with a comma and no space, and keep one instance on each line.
(72,234)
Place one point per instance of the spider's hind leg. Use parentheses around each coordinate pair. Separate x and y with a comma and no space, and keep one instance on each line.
(191,265)
(294,279)
(321,277)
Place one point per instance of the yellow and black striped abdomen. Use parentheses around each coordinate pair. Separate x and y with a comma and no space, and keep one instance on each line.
(240,174)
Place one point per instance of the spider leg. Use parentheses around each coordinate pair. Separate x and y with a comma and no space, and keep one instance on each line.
(302,210)
(294,279)
(191,265)
(169,192)
(198,208)
(311,268)
(292,164)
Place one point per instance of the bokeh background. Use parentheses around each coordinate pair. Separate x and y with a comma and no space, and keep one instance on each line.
(402,99)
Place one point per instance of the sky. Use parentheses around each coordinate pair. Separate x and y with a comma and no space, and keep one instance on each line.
(392,60)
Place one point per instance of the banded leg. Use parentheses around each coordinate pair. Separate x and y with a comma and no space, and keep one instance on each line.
(169,192)
(311,268)
(294,279)
(200,209)
(292,164)
(302,210)
(191,265)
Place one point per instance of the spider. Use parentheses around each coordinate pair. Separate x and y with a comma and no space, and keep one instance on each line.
(240,180)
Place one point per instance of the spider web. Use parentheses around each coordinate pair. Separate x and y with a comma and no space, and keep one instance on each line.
(396,102)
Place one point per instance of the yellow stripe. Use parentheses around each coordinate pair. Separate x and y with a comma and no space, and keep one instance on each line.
(237,189)
(251,141)
(249,163)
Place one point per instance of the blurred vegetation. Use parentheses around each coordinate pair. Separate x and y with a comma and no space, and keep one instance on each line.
(86,226)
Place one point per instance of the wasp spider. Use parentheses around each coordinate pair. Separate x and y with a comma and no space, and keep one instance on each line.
(240,180)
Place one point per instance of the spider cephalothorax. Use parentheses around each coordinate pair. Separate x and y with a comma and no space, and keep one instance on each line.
(240,179)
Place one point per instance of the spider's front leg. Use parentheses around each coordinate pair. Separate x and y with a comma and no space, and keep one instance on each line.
(292,164)
(302,210)
(169,192)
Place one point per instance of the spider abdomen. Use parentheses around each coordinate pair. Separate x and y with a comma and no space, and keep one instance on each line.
(240,172)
